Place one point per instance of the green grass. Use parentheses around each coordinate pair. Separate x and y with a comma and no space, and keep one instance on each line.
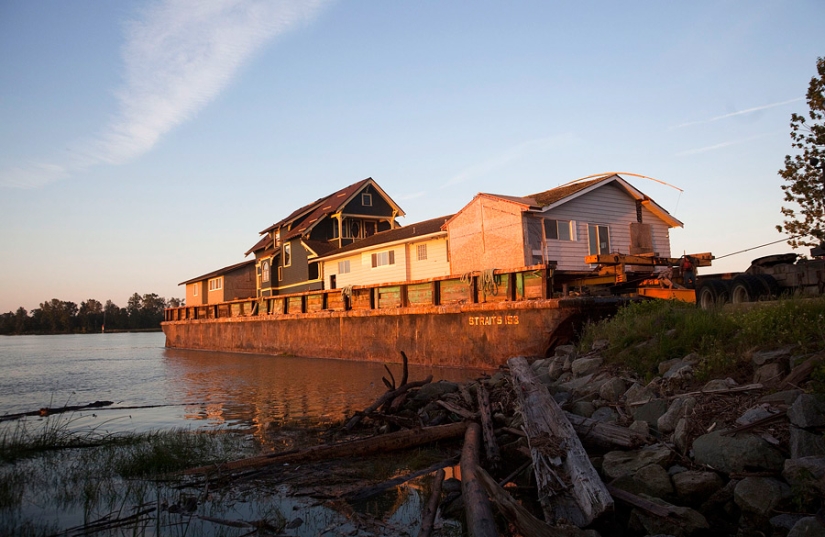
(644,334)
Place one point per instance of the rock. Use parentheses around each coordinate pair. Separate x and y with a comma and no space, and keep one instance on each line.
(735,453)
(806,444)
(584,366)
(770,374)
(640,427)
(682,523)
(760,495)
(753,414)
(652,480)
(582,408)
(681,437)
(612,389)
(786,397)
(541,362)
(638,393)
(619,463)
(719,384)
(692,358)
(807,410)
(693,486)
(806,473)
(565,350)
(605,414)
(676,469)
(650,412)
(761,358)
(600,344)
(785,522)
(435,390)
(681,371)
(556,368)
(677,410)
(562,397)
(578,385)
(665,366)
(807,527)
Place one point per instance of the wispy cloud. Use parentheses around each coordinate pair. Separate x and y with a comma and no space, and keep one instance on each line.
(178,56)
(734,114)
(723,145)
(509,155)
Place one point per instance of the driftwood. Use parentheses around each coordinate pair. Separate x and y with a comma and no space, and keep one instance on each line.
(639,502)
(490,445)
(46,411)
(801,372)
(521,518)
(363,494)
(569,487)
(477,507)
(719,391)
(389,396)
(606,434)
(354,448)
(457,410)
(432,505)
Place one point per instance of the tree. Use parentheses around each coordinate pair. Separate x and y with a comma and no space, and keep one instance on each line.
(90,315)
(805,172)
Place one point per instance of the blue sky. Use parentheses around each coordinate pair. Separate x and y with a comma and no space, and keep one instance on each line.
(145,143)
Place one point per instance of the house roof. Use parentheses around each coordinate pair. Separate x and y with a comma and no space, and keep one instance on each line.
(564,193)
(418,229)
(265,242)
(305,218)
(220,272)
(319,248)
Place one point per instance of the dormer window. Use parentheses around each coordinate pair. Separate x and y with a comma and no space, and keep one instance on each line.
(366,199)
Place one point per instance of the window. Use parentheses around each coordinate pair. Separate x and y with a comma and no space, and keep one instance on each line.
(343,267)
(287,254)
(599,239)
(351,228)
(216,284)
(421,252)
(366,199)
(265,271)
(195,289)
(558,230)
(383,258)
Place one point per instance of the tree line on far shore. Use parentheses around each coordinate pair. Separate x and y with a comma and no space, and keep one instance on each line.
(62,317)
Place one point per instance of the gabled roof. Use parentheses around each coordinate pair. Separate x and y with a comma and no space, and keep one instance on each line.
(319,248)
(565,193)
(265,242)
(419,229)
(220,272)
(305,218)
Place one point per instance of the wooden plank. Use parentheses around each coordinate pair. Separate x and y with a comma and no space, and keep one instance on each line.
(533,286)
(235,310)
(454,292)
(569,487)
(295,304)
(420,294)
(335,301)
(315,302)
(361,299)
(389,297)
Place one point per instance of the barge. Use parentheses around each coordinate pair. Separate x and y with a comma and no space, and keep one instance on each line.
(475,320)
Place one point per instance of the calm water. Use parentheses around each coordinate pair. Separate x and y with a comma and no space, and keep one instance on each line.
(187,388)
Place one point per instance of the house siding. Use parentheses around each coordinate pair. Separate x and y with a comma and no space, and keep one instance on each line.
(239,283)
(361,269)
(487,233)
(435,265)
(607,205)
(295,276)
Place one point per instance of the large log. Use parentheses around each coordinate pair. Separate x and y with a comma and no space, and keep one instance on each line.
(569,487)
(432,506)
(477,507)
(356,448)
(606,435)
(490,444)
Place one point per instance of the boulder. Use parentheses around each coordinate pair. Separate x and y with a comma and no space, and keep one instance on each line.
(761,358)
(760,495)
(694,486)
(612,389)
(783,523)
(606,414)
(808,527)
(641,427)
(806,473)
(770,374)
(804,443)
(718,384)
(665,366)
(677,410)
(619,463)
(682,523)
(638,393)
(565,350)
(736,453)
(808,410)
(582,408)
(650,411)
(679,371)
(555,369)
(435,390)
(786,397)
(754,414)
(652,480)
(600,344)
(680,436)
(584,366)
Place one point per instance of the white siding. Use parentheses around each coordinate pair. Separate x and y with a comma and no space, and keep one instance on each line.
(436,263)
(608,205)
(361,269)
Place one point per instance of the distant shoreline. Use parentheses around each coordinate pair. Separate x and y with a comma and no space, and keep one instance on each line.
(112,331)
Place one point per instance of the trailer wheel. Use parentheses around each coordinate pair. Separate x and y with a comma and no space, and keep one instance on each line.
(711,294)
(751,288)
(770,285)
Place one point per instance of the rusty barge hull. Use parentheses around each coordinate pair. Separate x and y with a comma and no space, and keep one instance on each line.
(466,335)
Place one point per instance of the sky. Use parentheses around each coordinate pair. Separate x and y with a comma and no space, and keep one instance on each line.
(146,143)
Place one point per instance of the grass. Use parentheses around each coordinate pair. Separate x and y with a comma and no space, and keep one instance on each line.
(644,334)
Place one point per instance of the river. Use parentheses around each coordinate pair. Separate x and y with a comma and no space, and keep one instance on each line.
(195,389)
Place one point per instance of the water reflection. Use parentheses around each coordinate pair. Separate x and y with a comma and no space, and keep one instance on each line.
(257,391)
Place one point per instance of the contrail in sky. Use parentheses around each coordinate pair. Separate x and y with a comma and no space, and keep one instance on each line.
(722,144)
(178,56)
(732,114)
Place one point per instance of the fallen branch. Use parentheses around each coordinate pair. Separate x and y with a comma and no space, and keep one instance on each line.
(606,434)
(721,391)
(480,522)
(490,445)
(432,505)
(355,448)
(457,410)
(389,396)
(640,503)
(365,493)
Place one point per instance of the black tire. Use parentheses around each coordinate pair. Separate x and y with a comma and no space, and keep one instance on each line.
(711,294)
(753,288)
